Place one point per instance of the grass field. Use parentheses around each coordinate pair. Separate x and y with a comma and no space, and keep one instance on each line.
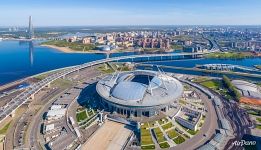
(152,123)
(167,126)
(159,135)
(213,84)
(81,116)
(179,140)
(172,134)
(148,147)
(72,45)
(63,83)
(258,126)
(258,119)
(252,112)
(5,128)
(228,55)
(200,79)
(106,70)
(164,145)
(162,121)
(146,137)
(145,125)
(192,132)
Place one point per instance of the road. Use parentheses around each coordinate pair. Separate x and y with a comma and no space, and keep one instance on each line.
(238,119)
(35,126)
(240,123)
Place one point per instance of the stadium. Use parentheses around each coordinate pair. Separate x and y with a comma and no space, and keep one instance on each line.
(139,93)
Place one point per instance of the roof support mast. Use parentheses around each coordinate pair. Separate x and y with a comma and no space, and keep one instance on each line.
(150,87)
(165,87)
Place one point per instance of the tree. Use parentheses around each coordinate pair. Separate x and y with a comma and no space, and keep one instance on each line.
(231,88)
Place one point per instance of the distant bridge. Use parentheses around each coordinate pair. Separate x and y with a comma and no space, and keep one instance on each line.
(30,91)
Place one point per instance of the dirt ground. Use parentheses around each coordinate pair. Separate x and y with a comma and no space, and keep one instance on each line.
(111,136)
(250,101)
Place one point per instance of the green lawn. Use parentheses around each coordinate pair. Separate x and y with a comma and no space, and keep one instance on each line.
(145,125)
(164,145)
(5,128)
(152,123)
(258,126)
(228,55)
(148,147)
(72,45)
(213,84)
(159,135)
(186,136)
(252,112)
(200,79)
(64,83)
(167,126)
(179,140)
(192,132)
(106,70)
(146,137)
(258,119)
(172,134)
(81,116)
(162,122)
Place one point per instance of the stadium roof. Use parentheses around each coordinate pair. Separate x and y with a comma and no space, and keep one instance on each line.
(129,91)
(161,88)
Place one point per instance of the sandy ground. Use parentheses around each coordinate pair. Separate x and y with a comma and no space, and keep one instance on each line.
(250,101)
(111,136)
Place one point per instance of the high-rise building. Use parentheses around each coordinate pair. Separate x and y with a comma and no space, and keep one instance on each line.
(30,29)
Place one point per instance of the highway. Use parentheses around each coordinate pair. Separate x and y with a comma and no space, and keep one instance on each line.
(238,118)
(20,99)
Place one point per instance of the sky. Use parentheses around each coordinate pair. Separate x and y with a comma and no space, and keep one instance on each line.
(130,12)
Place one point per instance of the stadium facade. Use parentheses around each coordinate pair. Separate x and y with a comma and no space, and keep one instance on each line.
(139,93)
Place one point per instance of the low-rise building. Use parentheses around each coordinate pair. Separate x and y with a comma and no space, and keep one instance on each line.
(188,118)
(54,114)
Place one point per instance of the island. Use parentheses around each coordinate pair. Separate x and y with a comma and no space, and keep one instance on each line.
(229,55)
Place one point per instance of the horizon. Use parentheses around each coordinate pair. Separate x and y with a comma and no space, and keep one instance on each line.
(151,25)
(131,13)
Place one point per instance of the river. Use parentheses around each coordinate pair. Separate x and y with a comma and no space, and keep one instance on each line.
(19,59)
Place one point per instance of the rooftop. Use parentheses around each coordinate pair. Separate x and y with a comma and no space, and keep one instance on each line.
(140,88)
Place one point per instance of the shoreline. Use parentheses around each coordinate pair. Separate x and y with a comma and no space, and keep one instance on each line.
(69,50)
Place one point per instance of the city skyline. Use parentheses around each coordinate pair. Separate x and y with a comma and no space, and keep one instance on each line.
(155,12)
